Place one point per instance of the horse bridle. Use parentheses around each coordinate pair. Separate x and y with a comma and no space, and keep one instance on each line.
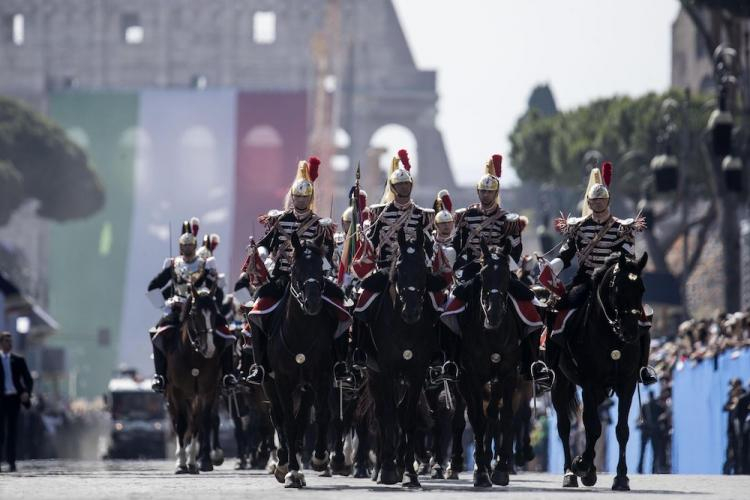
(192,314)
(615,322)
(492,291)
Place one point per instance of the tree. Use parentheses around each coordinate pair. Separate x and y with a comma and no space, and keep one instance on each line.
(38,161)
(543,101)
(626,131)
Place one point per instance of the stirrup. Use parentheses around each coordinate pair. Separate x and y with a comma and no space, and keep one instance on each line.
(450,371)
(229,381)
(546,376)
(257,375)
(341,372)
(158,383)
(650,376)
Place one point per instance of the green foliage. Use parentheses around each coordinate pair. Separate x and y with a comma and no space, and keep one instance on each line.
(41,162)
(551,149)
(543,101)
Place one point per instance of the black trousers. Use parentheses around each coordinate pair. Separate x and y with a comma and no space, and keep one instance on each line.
(9,408)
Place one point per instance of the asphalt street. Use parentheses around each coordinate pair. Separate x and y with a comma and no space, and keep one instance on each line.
(62,480)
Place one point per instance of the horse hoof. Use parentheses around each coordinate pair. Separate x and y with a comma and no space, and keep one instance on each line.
(411,481)
(193,469)
(181,469)
(570,480)
(482,480)
(500,477)
(452,474)
(375,473)
(580,467)
(437,472)
(217,457)
(590,478)
(294,479)
(424,470)
(388,476)
(280,472)
(621,483)
(241,465)
(320,464)
(326,473)
(206,467)
(361,472)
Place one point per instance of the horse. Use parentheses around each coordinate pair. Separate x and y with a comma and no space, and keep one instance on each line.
(193,371)
(399,348)
(300,355)
(490,355)
(602,357)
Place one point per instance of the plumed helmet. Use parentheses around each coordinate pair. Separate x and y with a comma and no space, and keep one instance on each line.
(400,168)
(346,216)
(307,172)
(597,191)
(490,181)
(189,232)
(443,207)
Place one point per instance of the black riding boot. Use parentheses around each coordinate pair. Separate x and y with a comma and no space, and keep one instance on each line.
(160,370)
(259,368)
(227,368)
(646,375)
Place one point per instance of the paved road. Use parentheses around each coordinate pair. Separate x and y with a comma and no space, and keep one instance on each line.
(155,480)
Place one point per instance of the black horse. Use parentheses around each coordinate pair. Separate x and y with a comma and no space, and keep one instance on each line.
(603,356)
(401,343)
(490,354)
(300,355)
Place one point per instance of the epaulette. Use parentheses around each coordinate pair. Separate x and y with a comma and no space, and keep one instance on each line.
(458,216)
(631,225)
(270,218)
(325,221)
(516,223)
(568,225)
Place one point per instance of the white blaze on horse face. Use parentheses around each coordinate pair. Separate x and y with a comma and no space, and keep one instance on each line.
(632,276)
(210,347)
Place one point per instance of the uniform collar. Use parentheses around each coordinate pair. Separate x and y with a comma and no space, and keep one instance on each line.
(301,215)
(404,206)
(489,211)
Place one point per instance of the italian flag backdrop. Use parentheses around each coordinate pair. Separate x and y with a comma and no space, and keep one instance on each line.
(163,156)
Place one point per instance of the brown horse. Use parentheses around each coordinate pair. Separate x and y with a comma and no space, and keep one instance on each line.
(193,372)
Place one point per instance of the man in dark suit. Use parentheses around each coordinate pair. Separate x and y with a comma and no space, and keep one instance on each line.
(15,390)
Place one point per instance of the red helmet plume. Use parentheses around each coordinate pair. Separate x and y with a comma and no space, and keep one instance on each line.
(195,225)
(497,164)
(404,157)
(607,173)
(313,166)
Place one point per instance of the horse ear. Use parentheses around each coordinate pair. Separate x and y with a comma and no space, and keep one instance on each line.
(401,237)
(643,261)
(295,242)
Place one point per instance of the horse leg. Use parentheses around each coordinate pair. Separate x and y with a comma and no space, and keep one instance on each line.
(179,423)
(206,416)
(563,394)
(500,475)
(458,425)
(362,459)
(624,399)
(278,422)
(240,438)
(388,436)
(409,426)
(472,392)
(583,466)
(293,478)
(217,452)
(320,456)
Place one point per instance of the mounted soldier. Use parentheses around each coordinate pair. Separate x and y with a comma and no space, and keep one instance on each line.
(592,238)
(299,219)
(487,222)
(377,256)
(171,290)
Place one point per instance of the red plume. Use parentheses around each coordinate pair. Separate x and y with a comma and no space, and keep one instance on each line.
(195,225)
(404,156)
(445,197)
(313,165)
(362,200)
(214,241)
(607,173)
(497,163)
